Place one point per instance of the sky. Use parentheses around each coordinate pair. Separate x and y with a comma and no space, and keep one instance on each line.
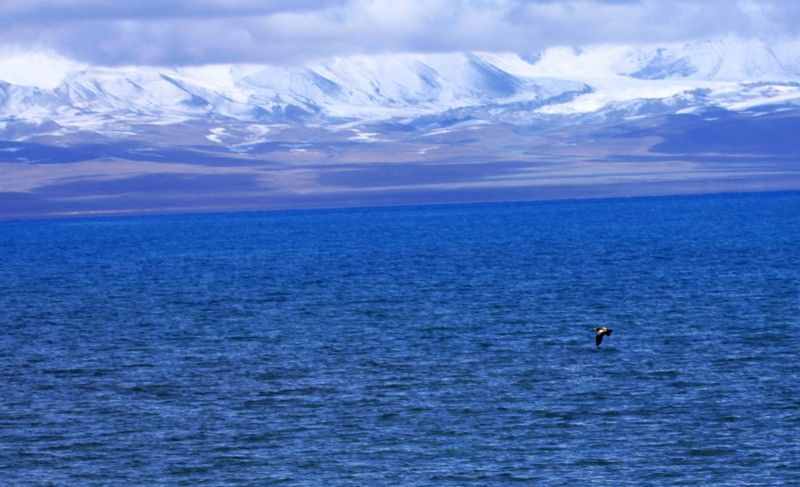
(196,32)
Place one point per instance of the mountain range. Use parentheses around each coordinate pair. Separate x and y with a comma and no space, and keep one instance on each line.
(722,109)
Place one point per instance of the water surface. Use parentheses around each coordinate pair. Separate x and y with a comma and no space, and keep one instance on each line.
(407,346)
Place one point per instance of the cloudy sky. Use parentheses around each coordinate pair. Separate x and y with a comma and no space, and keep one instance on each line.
(283,31)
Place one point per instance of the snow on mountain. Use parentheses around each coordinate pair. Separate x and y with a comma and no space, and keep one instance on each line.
(36,69)
(723,59)
(353,88)
(730,72)
(727,67)
(378,87)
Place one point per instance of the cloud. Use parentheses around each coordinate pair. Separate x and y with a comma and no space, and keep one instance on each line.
(42,11)
(284,31)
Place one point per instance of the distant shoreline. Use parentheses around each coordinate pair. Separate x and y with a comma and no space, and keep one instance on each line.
(457,198)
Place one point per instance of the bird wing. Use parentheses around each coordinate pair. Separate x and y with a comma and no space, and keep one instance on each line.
(598,339)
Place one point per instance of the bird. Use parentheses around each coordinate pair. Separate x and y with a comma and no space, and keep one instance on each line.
(599,333)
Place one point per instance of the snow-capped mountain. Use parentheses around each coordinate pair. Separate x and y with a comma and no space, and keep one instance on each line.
(350,88)
(558,84)
(716,115)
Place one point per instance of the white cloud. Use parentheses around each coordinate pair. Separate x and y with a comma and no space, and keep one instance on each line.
(281,31)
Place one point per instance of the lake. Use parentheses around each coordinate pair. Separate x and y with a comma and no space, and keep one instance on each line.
(413,346)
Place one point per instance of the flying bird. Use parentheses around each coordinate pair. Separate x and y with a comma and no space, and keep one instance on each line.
(599,333)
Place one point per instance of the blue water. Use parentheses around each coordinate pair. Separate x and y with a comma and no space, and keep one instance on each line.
(442,346)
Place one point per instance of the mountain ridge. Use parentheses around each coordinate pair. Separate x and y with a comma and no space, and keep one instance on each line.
(556,82)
